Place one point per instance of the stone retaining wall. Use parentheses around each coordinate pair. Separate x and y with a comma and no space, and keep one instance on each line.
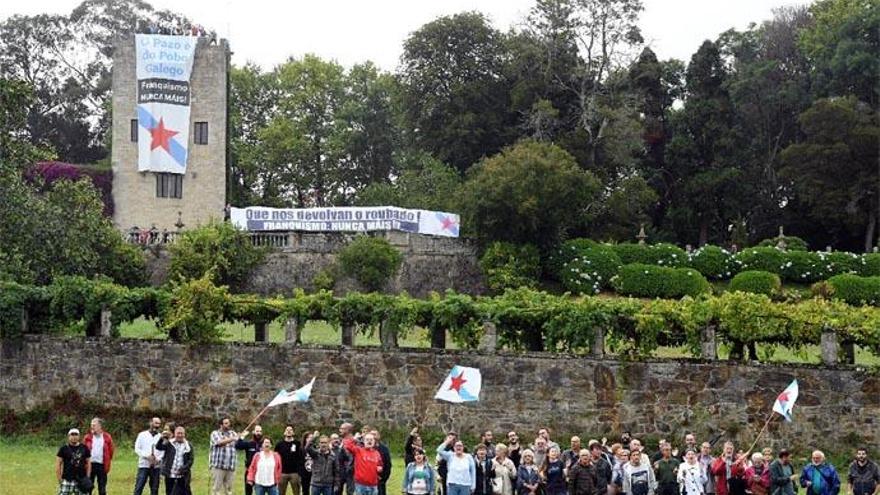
(837,407)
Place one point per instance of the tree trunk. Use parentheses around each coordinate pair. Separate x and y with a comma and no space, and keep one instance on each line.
(869,232)
(704,232)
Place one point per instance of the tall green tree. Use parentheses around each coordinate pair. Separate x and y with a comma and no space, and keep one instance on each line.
(835,172)
(455,95)
(423,183)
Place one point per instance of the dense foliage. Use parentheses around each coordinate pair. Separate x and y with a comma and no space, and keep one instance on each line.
(855,290)
(641,280)
(525,318)
(507,266)
(756,282)
(372,261)
(219,250)
(591,270)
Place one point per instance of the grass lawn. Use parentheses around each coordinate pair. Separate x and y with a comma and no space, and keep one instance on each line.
(28,467)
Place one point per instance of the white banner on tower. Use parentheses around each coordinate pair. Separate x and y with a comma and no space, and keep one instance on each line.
(164,67)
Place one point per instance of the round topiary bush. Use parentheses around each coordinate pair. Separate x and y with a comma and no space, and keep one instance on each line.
(590,272)
(804,267)
(766,259)
(568,251)
(665,254)
(631,253)
(855,290)
(792,243)
(839,262)
(713,262)
(372,261)
(509,266)
(756,282)
(869,266)
(640,280)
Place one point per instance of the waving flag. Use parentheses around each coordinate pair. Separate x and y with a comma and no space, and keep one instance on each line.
(462,384)
(785,401)
(299,395)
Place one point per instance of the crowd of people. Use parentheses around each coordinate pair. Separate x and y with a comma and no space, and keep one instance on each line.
(177,30)
(350,462)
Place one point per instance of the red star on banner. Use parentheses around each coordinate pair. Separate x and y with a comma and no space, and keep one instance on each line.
(447,223)
(783,397)
(160,135)
(457,382)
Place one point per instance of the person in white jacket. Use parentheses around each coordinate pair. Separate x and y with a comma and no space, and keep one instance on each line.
(692,475)
(638,477)
(149,459)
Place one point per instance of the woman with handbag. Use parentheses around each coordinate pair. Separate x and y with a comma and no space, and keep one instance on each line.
(505,472)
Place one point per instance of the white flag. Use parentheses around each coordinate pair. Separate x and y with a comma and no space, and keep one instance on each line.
(462,384)
(299,395)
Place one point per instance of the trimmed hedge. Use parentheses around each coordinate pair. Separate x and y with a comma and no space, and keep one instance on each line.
(591,271)
(855,290)
(756,282)
(713,262)
(630,253)
(870,265)
(507,265)
(640,280)
(792,243)
(568,251)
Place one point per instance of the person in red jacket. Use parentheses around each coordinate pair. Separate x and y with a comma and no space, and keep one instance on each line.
(757,476)
(367,464)
(100,444)
(264,471)
(727,468)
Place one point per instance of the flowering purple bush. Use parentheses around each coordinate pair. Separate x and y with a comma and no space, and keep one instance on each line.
(46,173)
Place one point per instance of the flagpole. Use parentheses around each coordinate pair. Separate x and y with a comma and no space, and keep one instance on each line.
(766,423)
(248,427)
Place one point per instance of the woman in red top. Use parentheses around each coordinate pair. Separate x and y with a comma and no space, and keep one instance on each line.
(265,470)
(100,443)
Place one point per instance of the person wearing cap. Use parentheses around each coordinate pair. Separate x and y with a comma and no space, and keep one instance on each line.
(100,445)
(864,475)
(418,477)
(782,475)
(72,463)
(819,477)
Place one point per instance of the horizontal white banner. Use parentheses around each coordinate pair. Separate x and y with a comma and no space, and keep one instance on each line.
(346,219)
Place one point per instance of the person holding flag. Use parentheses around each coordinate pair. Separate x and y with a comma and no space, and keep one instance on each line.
(461,471)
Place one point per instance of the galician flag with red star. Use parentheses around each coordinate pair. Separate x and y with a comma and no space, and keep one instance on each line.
(785,401)
(164,66)
(462,384)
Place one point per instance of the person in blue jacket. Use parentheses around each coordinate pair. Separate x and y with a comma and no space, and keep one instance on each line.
(418,478)
(820,477)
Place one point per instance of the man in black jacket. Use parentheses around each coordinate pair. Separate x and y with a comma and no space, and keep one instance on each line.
(864,475)
(582,478)
(250,448)
(386,462)
(177,462)
(293,462)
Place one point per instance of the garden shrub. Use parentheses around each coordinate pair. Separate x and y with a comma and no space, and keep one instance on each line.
(566,252)
(508,266)
(803,267)
(631,253)
(217,248)
(792,243)
(870,265)
(372,261)
(855,290)
(767,259)
(194,309)
(756,282)
(714,262)
(665,254)
(326,277)
(591,271)
(640,280)
(839,262)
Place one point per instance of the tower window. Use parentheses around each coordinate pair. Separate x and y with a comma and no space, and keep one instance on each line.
(134,130)
(201,133)
(169,185)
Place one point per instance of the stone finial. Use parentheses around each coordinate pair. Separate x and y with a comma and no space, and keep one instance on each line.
(180,225)
(642,235)
(780,240)
(688,248)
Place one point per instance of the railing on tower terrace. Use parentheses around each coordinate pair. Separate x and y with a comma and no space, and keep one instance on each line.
(156,237)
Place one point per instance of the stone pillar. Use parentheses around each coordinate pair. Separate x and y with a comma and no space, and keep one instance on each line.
(489,341)
(708,347)
(347,334)
(597,348)
(106,323)
(259,331)
(848,352)
(387,336)
(438,337)
(829,347)
(292,331)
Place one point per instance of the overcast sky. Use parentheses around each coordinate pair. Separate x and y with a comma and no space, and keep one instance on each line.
(352,31)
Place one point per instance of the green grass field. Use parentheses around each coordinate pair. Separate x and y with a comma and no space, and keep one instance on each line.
(27,467)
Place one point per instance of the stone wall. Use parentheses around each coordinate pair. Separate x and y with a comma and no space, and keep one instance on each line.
(430,263)
(837,408)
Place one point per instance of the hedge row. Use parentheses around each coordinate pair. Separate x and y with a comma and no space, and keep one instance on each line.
(525,318)
(713,262)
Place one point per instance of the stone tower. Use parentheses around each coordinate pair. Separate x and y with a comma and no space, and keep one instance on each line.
(144,199)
